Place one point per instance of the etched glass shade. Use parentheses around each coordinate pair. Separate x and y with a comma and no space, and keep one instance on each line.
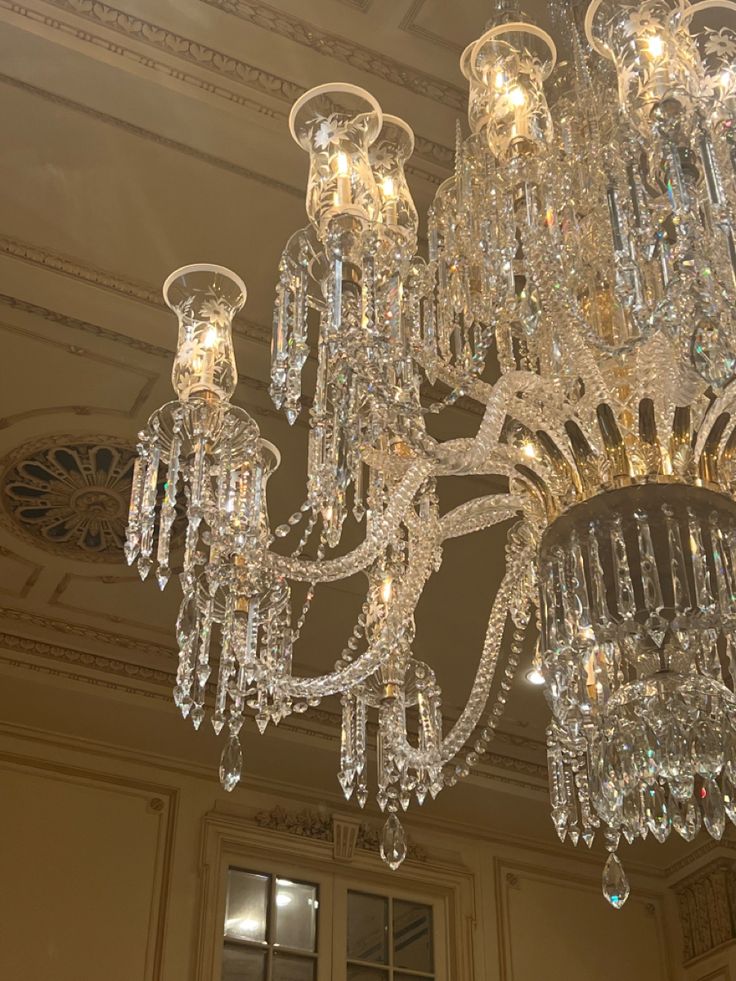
(205,298)
(509,87)
(336,124)
(392,148)
(658,65)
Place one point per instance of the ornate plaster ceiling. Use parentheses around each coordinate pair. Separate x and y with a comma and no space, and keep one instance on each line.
(138,136)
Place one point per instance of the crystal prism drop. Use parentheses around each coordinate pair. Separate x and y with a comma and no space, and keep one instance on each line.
(728,792)
(615,883)
(393,842)
(686,819)
(714,813)
(231,764)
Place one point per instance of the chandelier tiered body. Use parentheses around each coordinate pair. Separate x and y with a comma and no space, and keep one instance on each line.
(580,287)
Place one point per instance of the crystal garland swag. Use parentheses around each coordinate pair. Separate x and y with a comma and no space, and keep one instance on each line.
(585,246)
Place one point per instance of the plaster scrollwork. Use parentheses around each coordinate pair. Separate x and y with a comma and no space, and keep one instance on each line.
(707,907)
(319,826)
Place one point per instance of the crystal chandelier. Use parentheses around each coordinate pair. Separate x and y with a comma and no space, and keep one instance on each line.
(579,286)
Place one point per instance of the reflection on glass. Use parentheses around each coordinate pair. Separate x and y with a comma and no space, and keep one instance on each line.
(357,973)
(287,967)
(367,930)
(413,936)
(247,904)
(296,915)
(243,964)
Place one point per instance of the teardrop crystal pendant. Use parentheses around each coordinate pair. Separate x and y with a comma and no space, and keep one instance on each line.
(615,883)
(393,842)
(231,764)
(714,813)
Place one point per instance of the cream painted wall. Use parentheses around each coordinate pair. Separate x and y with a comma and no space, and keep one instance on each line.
(105,859)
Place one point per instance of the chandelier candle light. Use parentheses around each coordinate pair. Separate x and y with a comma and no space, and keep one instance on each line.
(580,286)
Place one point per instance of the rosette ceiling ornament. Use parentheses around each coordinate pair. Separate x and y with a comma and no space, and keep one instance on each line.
(580,286)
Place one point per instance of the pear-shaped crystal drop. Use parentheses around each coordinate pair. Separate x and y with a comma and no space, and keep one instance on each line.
(686,821)
(231,764)
(728,792)
(615,884)
(714,813)
(393,843)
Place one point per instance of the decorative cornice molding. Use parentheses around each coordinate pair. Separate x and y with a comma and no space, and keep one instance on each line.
(341,49)
(249,330)
(362,5)
(694,855)
(85,326)
(316,723)
(69,655)
(204,57)
(410,26)
(319,827)
(157,138)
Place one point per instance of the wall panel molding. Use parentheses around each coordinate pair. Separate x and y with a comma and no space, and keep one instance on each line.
(161,804)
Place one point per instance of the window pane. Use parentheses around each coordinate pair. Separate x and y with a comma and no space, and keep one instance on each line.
(296,915)
(247,905)
(243,964)
(287,967)
(367,929)
(413,936)
(413,977)
(356,973)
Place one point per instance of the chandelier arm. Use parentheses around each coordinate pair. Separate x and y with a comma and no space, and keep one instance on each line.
(469,386)
(479,514)
(512,587)
(723,404)
(419,569)
(360,558)
(461,456)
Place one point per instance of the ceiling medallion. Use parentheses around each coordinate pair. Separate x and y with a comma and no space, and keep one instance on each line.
(581,287)
(71,495)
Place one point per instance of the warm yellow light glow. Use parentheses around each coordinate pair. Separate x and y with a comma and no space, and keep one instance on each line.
(500,80)
(387,588)
(655,46)
(535,677)
(388,188)
(210,338)
(517,96)
(529,450)
(342,164)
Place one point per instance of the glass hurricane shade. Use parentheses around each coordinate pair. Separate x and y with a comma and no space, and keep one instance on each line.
(205,298)
(336,124)
(506,68)
(388,154)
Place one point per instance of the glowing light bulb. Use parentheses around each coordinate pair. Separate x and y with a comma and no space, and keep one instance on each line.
(343,193)
(529,450)
(655,46)
(517,96)
(535,677)
(388,192)
(387,587)
(500,80)
(210,338)
(342,164)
